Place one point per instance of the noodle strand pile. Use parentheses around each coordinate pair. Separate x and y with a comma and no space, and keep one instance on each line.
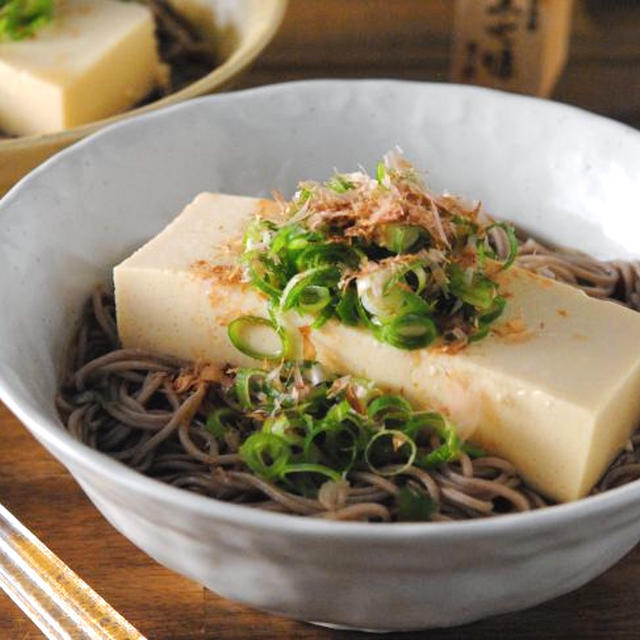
(136,407)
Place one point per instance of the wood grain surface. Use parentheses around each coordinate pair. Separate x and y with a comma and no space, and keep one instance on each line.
(331,38)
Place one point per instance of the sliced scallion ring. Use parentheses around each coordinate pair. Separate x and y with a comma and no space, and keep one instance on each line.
(220,421)
(398,238)
(263,276)
(511,239)
(306,467)
(451,446)
(389,407)
(389,443)
(340,183)
(409,331)
(475,289)
(340,443)
(239,330)
(487,317)
(323,317)
(266,454)
(248,383)
(314,299)
(347,308)
(417,269)
(284,428)
(323,254)
(323,276)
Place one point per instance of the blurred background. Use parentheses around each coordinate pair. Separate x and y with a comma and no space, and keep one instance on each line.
(413,39)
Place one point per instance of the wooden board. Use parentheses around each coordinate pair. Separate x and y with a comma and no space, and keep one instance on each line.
(330,38)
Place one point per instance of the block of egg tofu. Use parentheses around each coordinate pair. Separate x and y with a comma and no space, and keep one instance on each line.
(95,59)
(555,387)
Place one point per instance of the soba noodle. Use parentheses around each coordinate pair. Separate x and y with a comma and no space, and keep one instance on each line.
(126,404)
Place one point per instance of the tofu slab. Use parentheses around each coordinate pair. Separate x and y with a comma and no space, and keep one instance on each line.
(555,388)
(96,58)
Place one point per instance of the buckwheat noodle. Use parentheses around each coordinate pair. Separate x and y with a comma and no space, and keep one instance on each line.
(124,403)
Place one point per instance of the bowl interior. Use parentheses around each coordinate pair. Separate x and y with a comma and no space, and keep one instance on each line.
(239,30)
(563,174)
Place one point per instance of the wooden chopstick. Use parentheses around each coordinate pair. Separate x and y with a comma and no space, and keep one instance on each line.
(58,601)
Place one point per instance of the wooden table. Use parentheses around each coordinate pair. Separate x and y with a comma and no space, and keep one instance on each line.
(331,38)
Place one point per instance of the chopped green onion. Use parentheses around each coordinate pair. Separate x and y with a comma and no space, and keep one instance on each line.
(305,467)
(316,255)
(324,316)
(342,432)
(266,454)
(256,232)
(447,452)
(425,421)
(289,242)
(449,449)
(363,315)
(238,329)
(476,290)
(220,421)
(295,288)
(398,238)
(20,19)
(511,239)
(304,195)
(365,390)
(337,442)
(264,276)
(410,331)
(379,300)
(472,451)
(343,413)
(485,319)
(284,427)
(418,283)
(405,265)
(314,299)
(347,308)
(386,449)
(389,407)
(340,184)
(248,383)
(494,311)
(414,506)
(300,429)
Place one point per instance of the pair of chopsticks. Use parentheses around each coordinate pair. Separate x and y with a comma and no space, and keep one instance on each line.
(59,602)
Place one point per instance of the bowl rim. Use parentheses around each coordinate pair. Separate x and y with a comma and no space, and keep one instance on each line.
(240,58)
(60,441)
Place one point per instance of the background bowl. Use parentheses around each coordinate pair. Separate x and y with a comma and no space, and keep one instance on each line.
(240,30)
(562,173)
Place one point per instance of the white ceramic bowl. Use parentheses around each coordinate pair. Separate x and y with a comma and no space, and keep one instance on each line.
(239,29)
(558,171)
